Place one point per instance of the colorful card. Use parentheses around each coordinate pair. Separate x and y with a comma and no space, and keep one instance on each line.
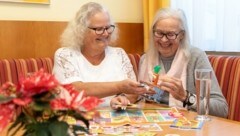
(183,123)
(135,116)
(165,115)
(119,117)
(127,128)
(152,116)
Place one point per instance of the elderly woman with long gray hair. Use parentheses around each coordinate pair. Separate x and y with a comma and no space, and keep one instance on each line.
(170,48)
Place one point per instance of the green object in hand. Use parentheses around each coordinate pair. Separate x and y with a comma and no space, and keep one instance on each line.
(157,69)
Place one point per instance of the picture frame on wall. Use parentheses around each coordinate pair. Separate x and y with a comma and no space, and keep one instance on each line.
(28,1)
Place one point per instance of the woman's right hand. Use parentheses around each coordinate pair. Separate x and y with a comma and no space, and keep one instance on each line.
(133,87)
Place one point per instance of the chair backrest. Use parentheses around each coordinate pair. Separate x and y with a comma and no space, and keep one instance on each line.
(12,69)
(227,70)
(135,58)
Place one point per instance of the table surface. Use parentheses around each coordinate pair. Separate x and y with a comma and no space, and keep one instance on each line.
(216,127)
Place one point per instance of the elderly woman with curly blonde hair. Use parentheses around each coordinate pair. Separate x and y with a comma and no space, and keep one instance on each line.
(87,60)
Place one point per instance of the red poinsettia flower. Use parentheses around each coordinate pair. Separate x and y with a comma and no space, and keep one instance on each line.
(37,83)
(9,103)
(32,97)
(69,98)
(22,101)
(7,113)
(90,102)
(8,89)
(9,95)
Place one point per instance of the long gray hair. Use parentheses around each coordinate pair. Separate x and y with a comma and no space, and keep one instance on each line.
(74,33)
(153,54)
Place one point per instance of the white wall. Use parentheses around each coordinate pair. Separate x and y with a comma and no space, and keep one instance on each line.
(64,10)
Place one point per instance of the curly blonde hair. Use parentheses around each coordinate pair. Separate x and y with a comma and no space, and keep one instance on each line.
(75,31)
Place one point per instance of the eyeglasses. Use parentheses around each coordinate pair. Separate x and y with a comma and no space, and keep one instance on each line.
(101,30)
(169,35)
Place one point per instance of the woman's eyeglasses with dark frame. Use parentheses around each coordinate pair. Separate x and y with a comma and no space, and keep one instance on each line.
(101,30)
(169,35)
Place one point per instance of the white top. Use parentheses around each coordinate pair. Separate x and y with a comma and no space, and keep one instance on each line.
(71,66)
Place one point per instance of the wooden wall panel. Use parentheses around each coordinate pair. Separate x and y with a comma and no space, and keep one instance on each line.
(25,39)
(131,37)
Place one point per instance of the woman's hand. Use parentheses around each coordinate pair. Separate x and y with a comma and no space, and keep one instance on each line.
(133,87)
(172,85)
(119,102)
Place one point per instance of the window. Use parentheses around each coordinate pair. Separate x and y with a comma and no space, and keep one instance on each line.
(214,25)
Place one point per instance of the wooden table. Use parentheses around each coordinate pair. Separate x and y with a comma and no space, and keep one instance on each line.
(216,127)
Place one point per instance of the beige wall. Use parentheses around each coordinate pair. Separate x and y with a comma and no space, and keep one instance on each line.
(64,10)
(35,28)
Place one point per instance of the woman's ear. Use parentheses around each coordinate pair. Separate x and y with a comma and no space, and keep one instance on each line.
(182,34)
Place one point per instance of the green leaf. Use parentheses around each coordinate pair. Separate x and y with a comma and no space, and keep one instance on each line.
(17,128)
(40,106)
(37,129)
(5,99)
(41,132)
(80,117)
(58,128)
(44,97)
(20,121)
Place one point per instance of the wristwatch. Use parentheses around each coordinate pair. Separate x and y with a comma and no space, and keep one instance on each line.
(190,100)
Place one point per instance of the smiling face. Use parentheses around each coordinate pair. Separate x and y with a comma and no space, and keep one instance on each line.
(93,42)
(169,26)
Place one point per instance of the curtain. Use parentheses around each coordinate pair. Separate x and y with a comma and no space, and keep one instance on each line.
(214,25)
(149,9)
